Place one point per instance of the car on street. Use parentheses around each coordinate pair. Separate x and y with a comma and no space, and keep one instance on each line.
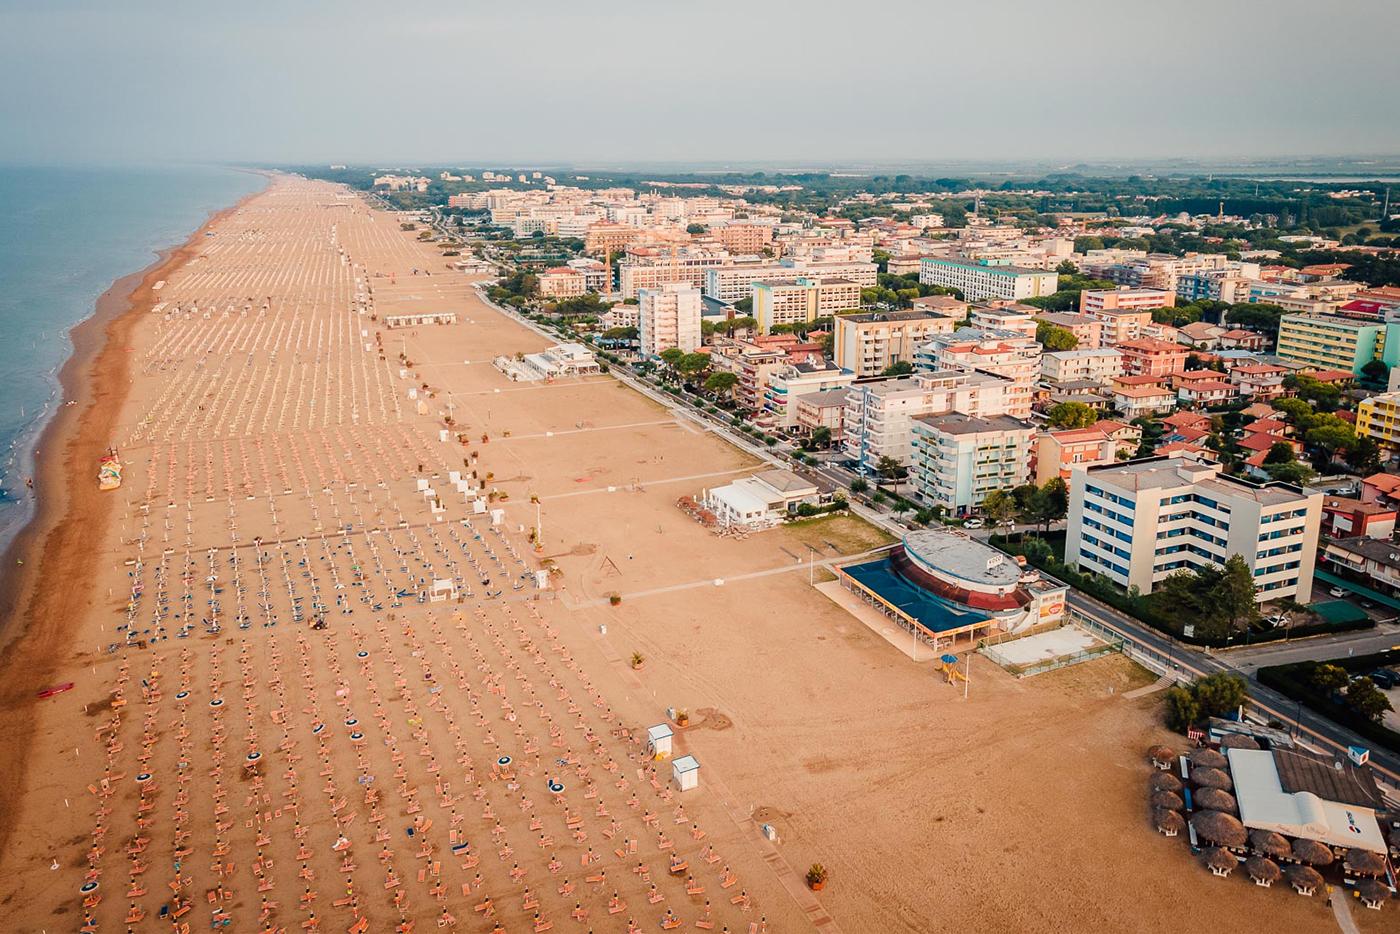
(1384,678)
(1337,592)
(972,524)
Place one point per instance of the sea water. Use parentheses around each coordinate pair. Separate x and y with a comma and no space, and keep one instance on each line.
(66,234)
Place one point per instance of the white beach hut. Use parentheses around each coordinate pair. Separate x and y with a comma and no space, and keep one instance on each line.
(444,588)
(659,741)
(686,772)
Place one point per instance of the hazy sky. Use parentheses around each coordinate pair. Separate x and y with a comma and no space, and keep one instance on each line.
(465,82)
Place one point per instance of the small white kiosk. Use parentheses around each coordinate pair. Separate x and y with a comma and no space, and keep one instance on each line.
(659,741)
(444,588)
(686,772)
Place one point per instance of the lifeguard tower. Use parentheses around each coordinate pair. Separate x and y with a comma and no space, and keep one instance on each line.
(686,772)
(659,741)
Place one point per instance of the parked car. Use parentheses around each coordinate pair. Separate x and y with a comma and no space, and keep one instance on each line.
(1384,678)
(1337,592)
(972,524)
(1278,619)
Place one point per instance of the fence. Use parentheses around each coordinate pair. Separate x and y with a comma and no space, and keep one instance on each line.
(1150,659)
(1109,642)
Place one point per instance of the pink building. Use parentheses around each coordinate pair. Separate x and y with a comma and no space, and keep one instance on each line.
(1148,356)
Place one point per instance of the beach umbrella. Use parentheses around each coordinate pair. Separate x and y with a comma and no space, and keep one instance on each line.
(1211,778)
(1373,890)
(1164,781)
(1216,800)
(1238,741)
(1303,877)
(1364,862)
(1167,799)
(1161,755)
(1262,869)
(1312,852)
(1268,843)
(948,659)
(1209,759)
(1168,821)
(1219,828)
(1217,858)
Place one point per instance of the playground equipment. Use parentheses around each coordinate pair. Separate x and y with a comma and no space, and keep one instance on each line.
(949,668)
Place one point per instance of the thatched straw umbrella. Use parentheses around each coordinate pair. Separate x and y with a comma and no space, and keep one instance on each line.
(1238,741)
(1209,759)
(1304,878)
(1364,862)
(1168,822)
(1211,778)
(1312,852)
(1161,756)
(1220,861)
(1219,828)
(1164,781)
(1168,800)
(1262,869)
(1268,843)
(1372,890)
(1216,800)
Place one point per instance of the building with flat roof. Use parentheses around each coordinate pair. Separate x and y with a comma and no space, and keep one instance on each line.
(1061,451)
(1124,299)
(801,300)
(1005,353)
(1334,342)
(869,344)
(760,501)
(958,459)
(1084,365)
(1141,520)
(1304,796)
(797,379)
(1087,329)
(1378,418)
(879,414)
(825,408)
(986,279)
(669,316)
(1148,356)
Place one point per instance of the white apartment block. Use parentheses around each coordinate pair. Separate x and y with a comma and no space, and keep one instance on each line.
(869,344)
(978,281)
(797,379)
(1018,319)
(637,273)
(1097,365)
(1139,521)
(879,414)
(731,282)
(797,301)
(1003,353)
(959,459)
(668,317)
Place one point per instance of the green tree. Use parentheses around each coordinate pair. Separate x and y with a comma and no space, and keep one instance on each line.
(859,485)
(1000,508)
(1368,700)
(898,368)
(1072,415)
(1295,472)
(1220,694)
(1233,594)
(696,229)
(1363,455)
(1328,678)
(693,364)
(1054,337)
(890,469)
(744,306)
(1376,373)
(821,437)
(1181,708)
(1280,452)
(721,383)
(672,356)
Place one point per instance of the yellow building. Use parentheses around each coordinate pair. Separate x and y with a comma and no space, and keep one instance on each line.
(800,300)
(1379,419)
(1329,342)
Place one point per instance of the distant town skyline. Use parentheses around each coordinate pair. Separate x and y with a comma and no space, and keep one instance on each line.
(556,83)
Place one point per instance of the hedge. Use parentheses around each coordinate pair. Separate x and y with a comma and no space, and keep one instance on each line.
(1294,681)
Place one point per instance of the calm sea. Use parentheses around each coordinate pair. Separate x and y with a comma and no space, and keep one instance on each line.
(65,235)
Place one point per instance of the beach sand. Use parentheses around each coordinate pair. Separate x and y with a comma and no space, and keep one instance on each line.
(259,404)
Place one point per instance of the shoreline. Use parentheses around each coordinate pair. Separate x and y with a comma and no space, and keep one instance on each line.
(69,511)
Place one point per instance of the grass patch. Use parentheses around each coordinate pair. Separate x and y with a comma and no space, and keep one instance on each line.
(850,534)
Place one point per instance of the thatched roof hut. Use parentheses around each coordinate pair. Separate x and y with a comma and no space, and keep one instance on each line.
(1268,843)
(1219,828)
(1372,890)
(1211,778)
(1238,741)
(1303,878)
(1312,852)
(1209,759)
(1168,822)
(1263,869)
(1168,800)
(1220,861)
(1364,862)
(1161,756)
(1216,800)
(1164,781)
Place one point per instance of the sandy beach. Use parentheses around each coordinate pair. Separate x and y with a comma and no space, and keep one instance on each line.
(269,730)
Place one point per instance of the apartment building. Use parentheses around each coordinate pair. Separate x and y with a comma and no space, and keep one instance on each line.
(879,414)
(1086,365)
(1138,269)
(1006,354)
(800,300)
(1142,401)
(669,316)
(980,280)
(958,459)
(1124,299)
(1260,381)
(1378,418)
(1337,343)
(868,344)
(1087,329)
(754,362)
(1139,521)
(1059,452)
(744,238)
(1017,319)
(823,409)
(562,282)
(794,380)
(604,238)
(730,282)
(1222,285)
(1148,356)
(1121,324)
(648,268)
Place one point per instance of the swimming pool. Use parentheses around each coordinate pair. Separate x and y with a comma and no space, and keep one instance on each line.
(930,611)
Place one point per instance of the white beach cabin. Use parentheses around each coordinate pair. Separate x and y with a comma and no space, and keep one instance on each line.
(686,772)
(659,741)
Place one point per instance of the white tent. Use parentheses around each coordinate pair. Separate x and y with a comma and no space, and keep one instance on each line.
(659,740)
(686,772)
